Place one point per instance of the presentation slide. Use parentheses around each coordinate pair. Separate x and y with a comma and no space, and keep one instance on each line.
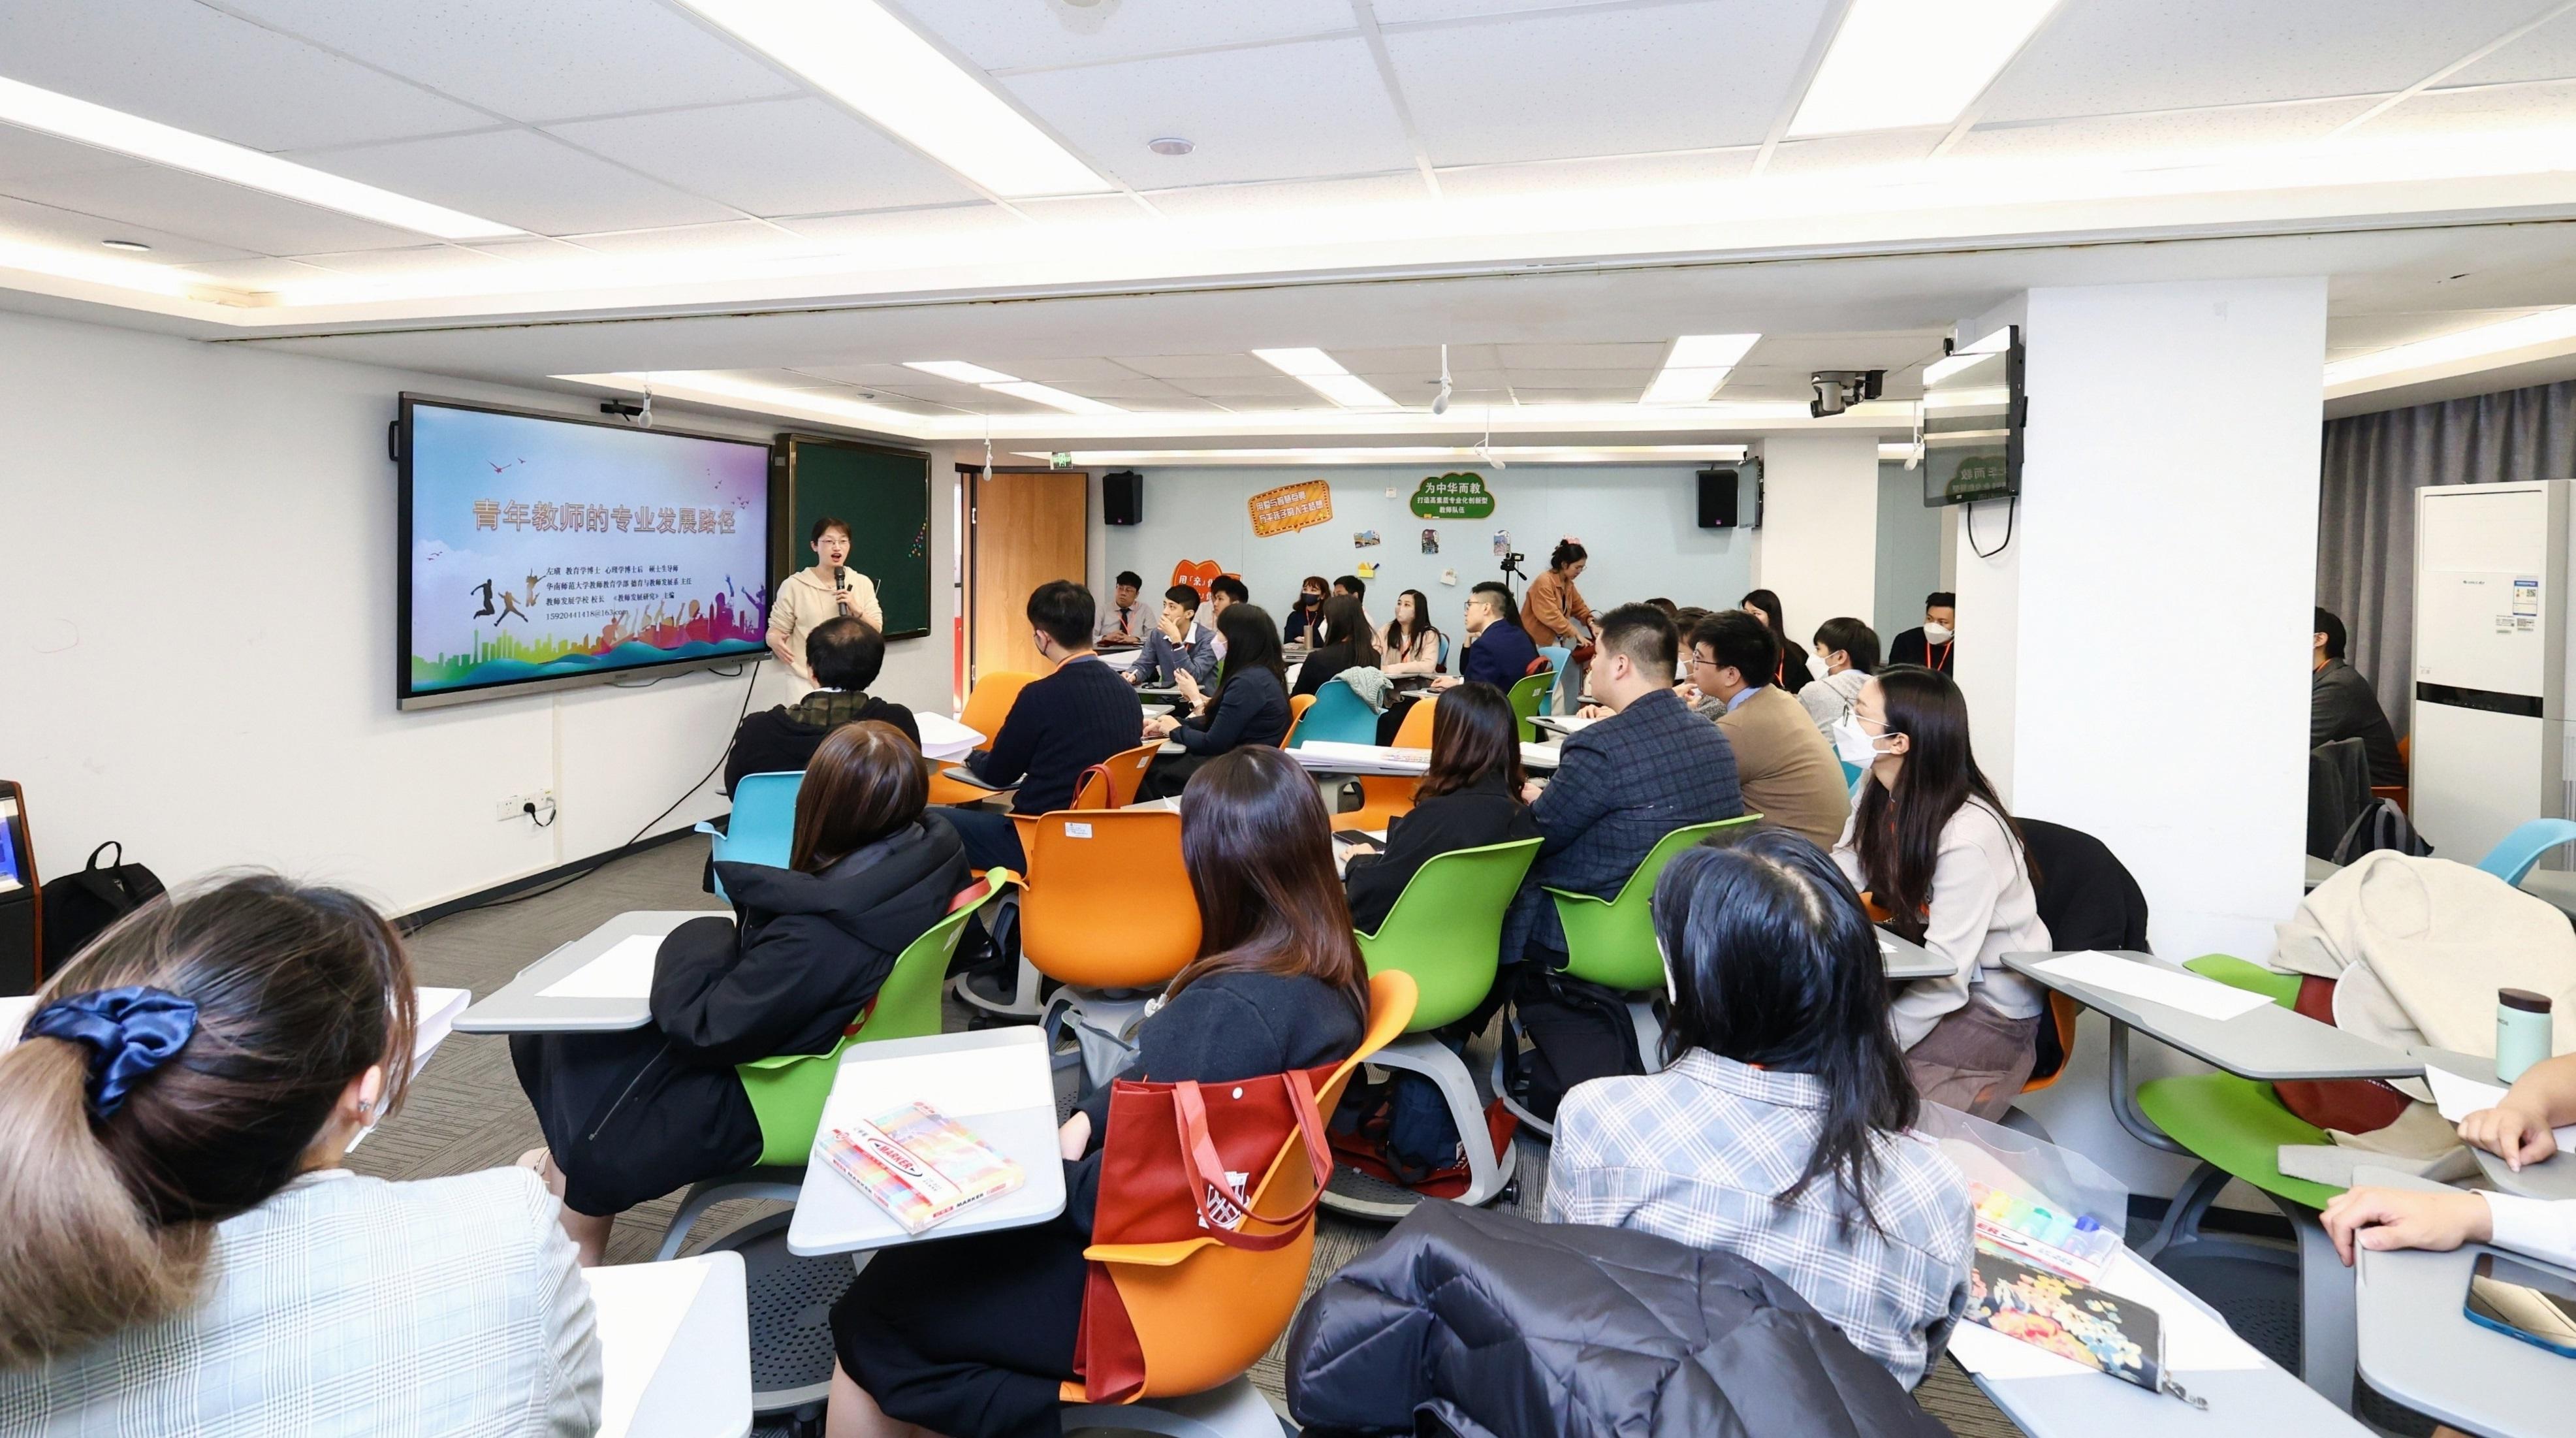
(546,549)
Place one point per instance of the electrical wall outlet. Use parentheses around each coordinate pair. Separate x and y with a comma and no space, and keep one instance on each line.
(516,806)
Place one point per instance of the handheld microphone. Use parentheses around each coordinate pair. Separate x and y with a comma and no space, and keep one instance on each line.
(840,578)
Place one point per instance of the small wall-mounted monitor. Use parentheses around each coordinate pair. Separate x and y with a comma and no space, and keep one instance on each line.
(1973,417)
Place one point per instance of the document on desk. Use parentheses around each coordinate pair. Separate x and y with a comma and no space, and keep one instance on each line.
(2458,1097)
(639,1308)
(2195,1340)
(2190,993)
(624,972)
(960,1084)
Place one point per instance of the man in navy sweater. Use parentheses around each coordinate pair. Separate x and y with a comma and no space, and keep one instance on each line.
(1060,725)
(1499,651)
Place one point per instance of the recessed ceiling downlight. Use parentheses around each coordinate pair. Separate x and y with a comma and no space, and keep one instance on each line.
(134,246)
(1170,145)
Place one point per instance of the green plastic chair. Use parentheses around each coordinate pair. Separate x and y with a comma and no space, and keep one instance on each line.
(1611,942)
(1526,696)
(1446,931)
(787,1090)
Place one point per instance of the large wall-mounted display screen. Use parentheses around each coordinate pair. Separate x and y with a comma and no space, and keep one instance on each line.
(540,552)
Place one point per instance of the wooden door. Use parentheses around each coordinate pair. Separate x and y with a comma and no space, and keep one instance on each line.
(1023,528)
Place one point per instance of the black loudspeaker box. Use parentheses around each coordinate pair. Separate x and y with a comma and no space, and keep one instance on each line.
(1122,497)
(1718,490)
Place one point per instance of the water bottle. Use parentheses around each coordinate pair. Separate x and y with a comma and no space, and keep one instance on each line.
(2522,1032)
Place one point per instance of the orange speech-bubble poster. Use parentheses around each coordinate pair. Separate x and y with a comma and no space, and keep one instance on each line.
(1198,574)
(1291,507)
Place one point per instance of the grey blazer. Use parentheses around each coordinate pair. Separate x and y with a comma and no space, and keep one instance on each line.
(348,1305)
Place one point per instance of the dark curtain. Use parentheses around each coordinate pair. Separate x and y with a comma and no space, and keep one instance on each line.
(2373,465)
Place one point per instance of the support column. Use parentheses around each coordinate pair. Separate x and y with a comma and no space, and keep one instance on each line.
(1819,549)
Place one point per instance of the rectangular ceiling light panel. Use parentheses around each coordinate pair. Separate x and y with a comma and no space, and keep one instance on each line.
(106,129)
(859,54)
(1324,375)
(1895,64)
(1011,384)
(1697,365)
(961,371)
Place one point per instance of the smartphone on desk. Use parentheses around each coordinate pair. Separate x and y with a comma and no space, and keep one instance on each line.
(2521,1301)
(1360,839)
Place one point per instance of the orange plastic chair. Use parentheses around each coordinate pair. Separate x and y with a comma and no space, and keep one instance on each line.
(1385,797)
(2061,1017)
(1126,773)
(986,708)
(1298,704)
(1098,789)
(1204,1312)
(1108,906)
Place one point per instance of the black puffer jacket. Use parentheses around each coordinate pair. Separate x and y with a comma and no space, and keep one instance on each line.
(1499,1327)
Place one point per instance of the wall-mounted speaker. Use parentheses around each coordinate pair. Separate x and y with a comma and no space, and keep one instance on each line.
(1718,492)
(1122,497)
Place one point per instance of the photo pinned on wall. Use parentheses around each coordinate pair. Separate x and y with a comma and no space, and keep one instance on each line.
(1365,569)
(1431,541)
(1502,542)
(1449,577)
(1364,539)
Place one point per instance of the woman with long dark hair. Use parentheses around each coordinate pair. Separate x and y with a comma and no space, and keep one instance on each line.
(1410,644)
(1347,642)
(632,1115)
(1792,674)
(1932,846)
(972,1337)
(1249,707)
(187,1251)
(1471,798)
(1780,1128)
(1305,613)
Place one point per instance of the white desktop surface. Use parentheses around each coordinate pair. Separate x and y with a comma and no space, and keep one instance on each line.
(674,1348)
(994,1081)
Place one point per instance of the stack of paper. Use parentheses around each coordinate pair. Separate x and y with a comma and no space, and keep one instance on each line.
(2188,992)
(624,972)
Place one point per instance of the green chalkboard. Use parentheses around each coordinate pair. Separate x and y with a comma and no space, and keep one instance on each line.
(885,496)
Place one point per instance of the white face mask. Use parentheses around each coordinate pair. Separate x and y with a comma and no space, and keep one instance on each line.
(1853,744)
(1825,662)
(1935,632)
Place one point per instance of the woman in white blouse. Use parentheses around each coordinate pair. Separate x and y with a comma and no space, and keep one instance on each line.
(186,1252)
(2517,1130)
(1408,644)
(1932,846)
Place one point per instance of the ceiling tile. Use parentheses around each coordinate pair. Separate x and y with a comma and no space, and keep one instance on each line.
(780,157)
(1190,367)
(1133,392)
(182,203)
(1425,358)
(1844,351)
(1648,354)
(1615,172)
(1292,200)
(2547,104)
(725,237)
(1853,152)
(1628,379)
(2218,128)
(1573,396)
(2548,53)
(551,60)
(1058,371)
(964,226)
(870,376)
(1311,108)
(419,260)
(30,223)
(1604,82)
(1050,32)
(1274,386)
(258,276)
(1404,12)
(522,179)
(25,154)
(2109,57)
(183,64)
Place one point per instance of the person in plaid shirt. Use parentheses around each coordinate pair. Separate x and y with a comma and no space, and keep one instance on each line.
(1780,1132)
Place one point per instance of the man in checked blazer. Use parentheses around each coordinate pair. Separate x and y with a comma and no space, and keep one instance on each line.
(1652,767)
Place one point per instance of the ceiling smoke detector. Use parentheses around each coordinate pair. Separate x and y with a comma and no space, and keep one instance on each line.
(1170,145)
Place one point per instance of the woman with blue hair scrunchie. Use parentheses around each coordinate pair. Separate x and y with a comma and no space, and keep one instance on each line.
(180,1248)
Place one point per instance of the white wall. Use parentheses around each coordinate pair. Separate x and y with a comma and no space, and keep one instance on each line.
(1640,523)
(1819,527)
(197,639)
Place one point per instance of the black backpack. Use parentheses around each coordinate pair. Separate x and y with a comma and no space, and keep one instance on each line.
(1579,1030)
(80,906)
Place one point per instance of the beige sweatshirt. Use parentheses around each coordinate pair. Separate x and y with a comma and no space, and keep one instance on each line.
(806,600)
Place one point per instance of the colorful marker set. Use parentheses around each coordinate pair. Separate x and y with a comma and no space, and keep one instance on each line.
(2076,1246)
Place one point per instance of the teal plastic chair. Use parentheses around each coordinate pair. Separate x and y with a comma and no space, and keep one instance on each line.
(1559,657)
(1446,932)
(1337,715)
(2515,853)
(763,827)
(787,1090)
(1526,696)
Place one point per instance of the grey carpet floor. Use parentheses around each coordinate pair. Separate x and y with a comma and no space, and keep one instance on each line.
(465,1111)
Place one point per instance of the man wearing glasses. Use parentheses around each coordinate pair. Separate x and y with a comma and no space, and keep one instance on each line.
(1785,766)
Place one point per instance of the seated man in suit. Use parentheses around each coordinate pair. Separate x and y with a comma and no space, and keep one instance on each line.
(1179,644)
(1122,622)
(1786,769)
(1498,651)
(1622,784)
(1059,726)
(845,656)
(2341,705)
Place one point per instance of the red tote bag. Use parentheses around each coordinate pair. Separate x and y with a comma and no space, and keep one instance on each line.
(1178,1162)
